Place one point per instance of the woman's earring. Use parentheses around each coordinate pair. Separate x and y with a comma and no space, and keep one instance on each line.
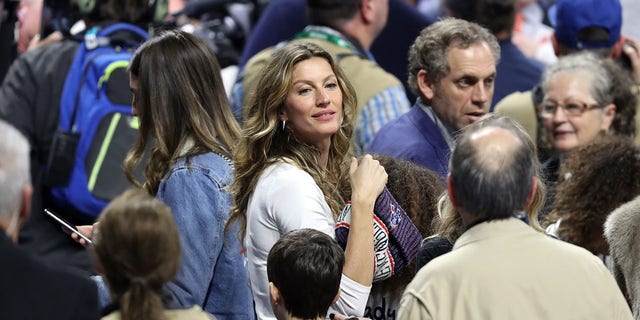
(284,122)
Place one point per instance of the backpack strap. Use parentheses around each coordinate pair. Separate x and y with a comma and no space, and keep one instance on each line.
(123,34)
(111,29)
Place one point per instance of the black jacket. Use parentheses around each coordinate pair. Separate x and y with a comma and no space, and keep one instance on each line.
(30,101)
(30,289)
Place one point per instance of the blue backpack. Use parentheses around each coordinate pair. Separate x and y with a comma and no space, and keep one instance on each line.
(96,129)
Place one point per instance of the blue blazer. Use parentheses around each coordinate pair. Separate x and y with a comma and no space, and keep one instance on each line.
(414,137)
(515,72)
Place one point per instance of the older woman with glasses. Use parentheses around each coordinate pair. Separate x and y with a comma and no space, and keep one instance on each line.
(580,102)
(585,99)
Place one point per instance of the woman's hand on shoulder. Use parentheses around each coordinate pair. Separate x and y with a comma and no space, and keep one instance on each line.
(368,179)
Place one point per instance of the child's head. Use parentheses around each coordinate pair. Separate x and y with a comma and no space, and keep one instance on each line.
(304,269)
(137,246)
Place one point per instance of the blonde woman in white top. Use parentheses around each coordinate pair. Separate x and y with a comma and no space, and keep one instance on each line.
(291,164)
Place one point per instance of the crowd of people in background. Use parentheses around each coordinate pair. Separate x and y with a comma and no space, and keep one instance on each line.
(343,159)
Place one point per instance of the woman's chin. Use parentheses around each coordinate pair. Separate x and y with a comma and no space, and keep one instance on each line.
(564,146)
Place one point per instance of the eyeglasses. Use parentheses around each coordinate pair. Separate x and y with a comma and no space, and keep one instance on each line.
(572,109)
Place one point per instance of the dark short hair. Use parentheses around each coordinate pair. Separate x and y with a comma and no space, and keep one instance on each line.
(495,15)
(138,12)
(306,267)
(483,188)
(331,12)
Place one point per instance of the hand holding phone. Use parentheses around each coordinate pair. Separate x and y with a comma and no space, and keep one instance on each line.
(67,225)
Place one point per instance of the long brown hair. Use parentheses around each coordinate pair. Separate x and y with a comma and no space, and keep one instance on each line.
(138,247)
(264,141)
(180,97)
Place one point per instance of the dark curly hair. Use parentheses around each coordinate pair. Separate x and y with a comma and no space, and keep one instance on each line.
(599,177)
(416,189)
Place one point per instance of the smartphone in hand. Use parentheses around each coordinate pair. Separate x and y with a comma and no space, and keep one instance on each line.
(67,225)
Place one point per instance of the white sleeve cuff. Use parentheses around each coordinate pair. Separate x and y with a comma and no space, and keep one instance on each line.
(353,298)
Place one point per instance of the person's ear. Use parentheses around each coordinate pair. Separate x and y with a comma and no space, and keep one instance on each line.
(335,299)
(25,204)
(274,294)
(23,213)
(452,192)
(532,192)
(367,11)
(426,86)
(554,43)
(616,51)
(282,114)
(609,113)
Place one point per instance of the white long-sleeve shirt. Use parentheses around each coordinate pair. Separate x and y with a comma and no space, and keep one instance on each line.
(287,198)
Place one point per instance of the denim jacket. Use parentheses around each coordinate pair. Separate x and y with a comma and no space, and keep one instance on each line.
(212,272)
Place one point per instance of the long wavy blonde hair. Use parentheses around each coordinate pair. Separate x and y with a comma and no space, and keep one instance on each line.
(264,141)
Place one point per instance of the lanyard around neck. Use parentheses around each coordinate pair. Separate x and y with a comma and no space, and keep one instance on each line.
(321,35)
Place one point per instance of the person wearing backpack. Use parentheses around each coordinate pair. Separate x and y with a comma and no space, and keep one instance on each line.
(186,122)
(30,99)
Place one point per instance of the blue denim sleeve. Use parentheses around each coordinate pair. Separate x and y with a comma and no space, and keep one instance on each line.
(103,292)
(199,209)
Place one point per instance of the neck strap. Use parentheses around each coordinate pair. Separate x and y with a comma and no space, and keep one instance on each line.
(321,35)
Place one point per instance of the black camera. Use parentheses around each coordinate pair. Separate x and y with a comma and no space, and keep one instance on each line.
(224,24)
(58,15)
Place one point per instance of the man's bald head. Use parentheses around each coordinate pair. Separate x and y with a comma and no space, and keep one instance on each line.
(492,168)
(494,147)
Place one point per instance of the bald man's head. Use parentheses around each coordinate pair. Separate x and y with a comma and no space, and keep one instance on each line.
(492,168)
(494,147)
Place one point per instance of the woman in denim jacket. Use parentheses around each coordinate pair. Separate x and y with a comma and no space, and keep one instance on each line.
(187,132)
(180,99)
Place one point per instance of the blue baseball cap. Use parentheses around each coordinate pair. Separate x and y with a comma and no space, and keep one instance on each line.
(569,17)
